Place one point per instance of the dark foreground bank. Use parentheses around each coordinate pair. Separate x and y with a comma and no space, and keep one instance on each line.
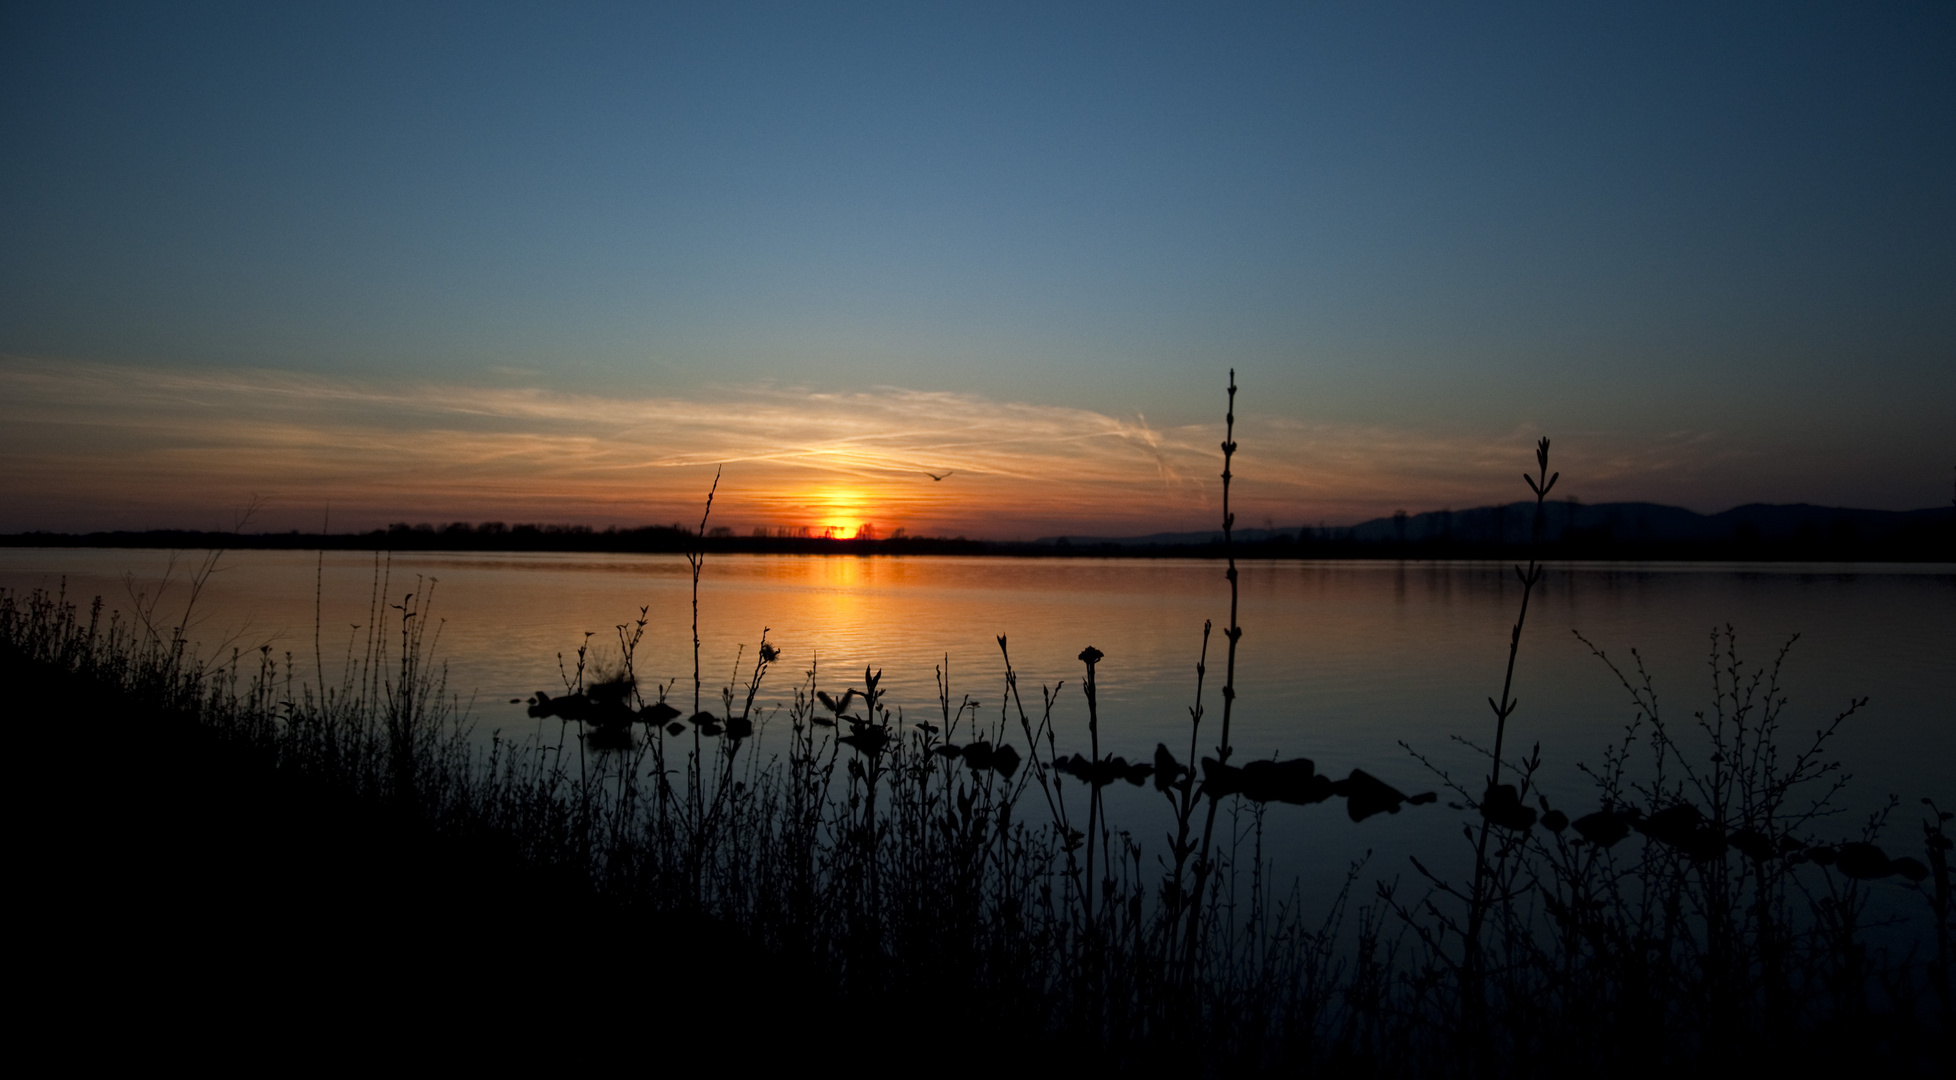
(190,900)
(223,861)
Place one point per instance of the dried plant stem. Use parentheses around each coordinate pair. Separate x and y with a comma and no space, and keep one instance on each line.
(1183,800)
(1091,657)
(1483,874)
(1233,634)
(696,558)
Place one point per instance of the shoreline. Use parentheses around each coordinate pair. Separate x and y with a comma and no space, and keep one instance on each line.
(1925,550)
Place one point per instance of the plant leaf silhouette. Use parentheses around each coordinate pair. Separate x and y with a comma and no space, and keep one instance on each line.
(1502,806)
(1604,828)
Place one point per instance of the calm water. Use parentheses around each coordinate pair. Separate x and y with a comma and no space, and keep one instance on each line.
(1339,662)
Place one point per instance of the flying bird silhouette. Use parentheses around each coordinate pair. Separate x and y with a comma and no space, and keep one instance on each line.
(934,476)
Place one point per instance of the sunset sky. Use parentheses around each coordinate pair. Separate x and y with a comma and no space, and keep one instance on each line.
(560,262)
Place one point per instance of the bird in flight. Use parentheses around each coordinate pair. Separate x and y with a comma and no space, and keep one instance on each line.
(934,476)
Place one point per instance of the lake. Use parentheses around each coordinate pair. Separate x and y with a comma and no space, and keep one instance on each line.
(1339,662)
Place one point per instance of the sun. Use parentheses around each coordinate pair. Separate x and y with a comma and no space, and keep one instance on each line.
(841,510)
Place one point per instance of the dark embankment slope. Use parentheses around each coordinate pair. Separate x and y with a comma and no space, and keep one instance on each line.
(189,900)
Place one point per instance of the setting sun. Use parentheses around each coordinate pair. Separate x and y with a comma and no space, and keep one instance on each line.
(843,510)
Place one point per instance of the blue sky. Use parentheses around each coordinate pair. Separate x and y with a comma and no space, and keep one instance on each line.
(1712,252)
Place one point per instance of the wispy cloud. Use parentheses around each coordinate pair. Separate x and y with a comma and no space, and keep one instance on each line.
(90,446)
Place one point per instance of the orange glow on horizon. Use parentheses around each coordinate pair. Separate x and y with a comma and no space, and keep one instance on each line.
(96,446)
(842,512)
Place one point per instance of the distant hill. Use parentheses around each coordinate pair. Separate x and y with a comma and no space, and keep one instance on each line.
(1640,521)
(1606,530)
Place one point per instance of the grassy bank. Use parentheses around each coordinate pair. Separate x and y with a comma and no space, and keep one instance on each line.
(287,843)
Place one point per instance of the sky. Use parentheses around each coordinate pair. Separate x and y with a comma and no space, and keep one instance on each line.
(364,263)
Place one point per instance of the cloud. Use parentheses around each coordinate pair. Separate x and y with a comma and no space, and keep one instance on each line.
(103,446)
